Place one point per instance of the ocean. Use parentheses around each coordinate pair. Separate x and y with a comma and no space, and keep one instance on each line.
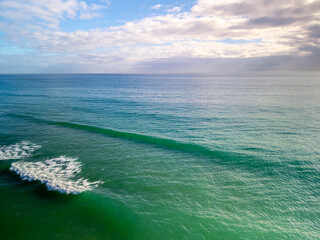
(159,157)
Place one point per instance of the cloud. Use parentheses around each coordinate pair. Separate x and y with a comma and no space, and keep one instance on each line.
(174,10)
(48,13)
(284,28)
(107,2)
(156,7)
(89,15)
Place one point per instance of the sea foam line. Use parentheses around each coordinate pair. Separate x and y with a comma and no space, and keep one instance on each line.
(57,174)
(18,150)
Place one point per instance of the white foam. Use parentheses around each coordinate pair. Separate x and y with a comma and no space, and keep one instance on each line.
(57,174)
(18,150)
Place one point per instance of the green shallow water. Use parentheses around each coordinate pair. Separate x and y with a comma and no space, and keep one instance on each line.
(176,157)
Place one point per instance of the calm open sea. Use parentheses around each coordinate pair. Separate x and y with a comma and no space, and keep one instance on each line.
(159,157)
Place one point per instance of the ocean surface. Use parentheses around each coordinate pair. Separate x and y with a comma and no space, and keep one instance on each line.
(157,157)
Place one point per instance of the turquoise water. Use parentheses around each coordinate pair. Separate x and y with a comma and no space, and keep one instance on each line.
(159,157)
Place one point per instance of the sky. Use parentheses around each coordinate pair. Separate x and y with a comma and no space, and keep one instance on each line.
(182,36)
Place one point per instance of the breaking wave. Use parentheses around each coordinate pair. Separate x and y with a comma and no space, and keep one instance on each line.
(59,174)
(18,150)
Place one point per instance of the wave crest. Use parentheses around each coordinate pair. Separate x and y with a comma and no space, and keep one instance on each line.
(57,174)
(18,150)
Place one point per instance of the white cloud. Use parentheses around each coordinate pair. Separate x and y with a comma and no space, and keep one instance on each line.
(205,49)
(174,10)
(156,7)
(89,15)
(34,13)
(107,2)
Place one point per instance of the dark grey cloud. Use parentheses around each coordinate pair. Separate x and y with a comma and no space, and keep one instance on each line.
(314,31)
(283,63)
(263,12)
(274,22)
